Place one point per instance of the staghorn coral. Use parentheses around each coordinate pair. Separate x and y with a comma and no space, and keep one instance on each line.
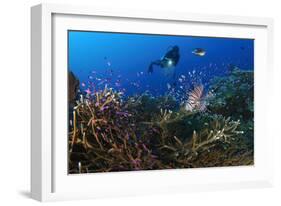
(182,153)
(220,130)
(103,137)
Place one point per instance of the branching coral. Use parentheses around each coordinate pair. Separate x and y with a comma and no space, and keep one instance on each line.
(181,153)
(220,130)
(111,133)
(103,133)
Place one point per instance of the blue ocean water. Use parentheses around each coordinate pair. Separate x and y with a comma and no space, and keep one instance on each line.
(121,61)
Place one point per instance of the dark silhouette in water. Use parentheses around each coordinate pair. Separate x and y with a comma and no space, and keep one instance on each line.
(169,61)
(73,87)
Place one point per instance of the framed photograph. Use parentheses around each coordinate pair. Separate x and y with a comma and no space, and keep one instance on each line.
(136,102)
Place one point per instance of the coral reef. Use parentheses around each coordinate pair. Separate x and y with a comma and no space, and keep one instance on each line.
(234,95)
(110,132)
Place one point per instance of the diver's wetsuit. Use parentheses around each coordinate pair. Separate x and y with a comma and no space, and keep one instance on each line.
(170,59)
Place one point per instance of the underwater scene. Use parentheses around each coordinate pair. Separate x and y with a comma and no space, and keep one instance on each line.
(150,102)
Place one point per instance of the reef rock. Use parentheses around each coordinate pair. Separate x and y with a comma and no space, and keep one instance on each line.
(73,86)
(234,95)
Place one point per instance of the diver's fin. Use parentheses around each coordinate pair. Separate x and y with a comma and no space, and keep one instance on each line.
(150,68)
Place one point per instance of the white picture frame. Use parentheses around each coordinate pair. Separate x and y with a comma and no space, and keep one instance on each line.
(49,179)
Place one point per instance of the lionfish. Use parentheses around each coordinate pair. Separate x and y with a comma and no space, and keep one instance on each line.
(196,99)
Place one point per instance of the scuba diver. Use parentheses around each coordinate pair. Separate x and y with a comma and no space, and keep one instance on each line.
(168,61)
